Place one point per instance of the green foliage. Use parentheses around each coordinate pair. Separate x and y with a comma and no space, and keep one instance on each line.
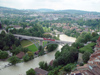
(84,37)
(60,29)
(86,57)
(57,54)
(47,35)
(55,71)
(32,48)
(43,65)
(41,52)
(56,38)
(36,30)
(25,43)
(13,60)
(40,48)
(93,23)
(15,50)
(26,58)
(88,48)
(77,45)
(7,41)
(3,54)
(51,47)
(6,48)
(72,33)
(67,55)
(69,67)
(94,34)
(94,38)
(30,72)
(30,54)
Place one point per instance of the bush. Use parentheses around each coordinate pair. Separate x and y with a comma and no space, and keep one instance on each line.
(3,54)
(26,58)
(88,48)
(69,67)
(86,57)
(30,72)
(13,60)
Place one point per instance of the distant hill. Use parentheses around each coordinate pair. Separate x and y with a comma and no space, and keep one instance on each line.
(45,10)
(17,11)
(10,10)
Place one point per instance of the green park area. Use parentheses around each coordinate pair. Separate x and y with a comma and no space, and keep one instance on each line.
(33,48)
(28,44)
(25,43)
(46,29)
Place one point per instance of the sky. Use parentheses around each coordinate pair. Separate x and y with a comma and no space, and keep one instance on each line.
(86,5)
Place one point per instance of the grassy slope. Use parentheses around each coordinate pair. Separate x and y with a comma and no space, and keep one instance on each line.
(25,43)
(46,29)
(33,48)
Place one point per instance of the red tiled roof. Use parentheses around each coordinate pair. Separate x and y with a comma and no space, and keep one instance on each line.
(20,55)
(98,45)
(40,71)
(51,63)
(99,38)
(37,52)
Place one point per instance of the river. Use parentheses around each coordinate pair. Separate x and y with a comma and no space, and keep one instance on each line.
(21,68)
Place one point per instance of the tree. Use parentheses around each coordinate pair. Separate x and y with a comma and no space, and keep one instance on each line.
(88,37)
(40,48)
(5,47)
(30,72)
(0,26)
(47,35)
(94,34)
(69,67)
(13,60)
(77,45)
(26,58)
(30,54)
(86,57)
(41,52)
(57,54)
(51,47)
(3,54)
(43,65)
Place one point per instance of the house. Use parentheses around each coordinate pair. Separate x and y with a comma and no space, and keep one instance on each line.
(51,63)
(17,27)
(36,53)
(40,71)
(20,55)
(28,27)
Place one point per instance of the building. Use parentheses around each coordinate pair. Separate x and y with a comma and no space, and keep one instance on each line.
(40,71)
(20,55)
(91,68)
(17,27)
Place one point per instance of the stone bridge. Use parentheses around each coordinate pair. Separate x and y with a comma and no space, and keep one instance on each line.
(39,41)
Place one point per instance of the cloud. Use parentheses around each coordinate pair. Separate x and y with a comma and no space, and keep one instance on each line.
(88,5)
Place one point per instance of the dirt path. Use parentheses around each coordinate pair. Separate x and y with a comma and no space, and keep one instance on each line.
(28,45)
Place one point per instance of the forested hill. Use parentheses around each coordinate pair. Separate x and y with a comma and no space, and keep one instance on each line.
(5,10)
(76,12)
(17,11)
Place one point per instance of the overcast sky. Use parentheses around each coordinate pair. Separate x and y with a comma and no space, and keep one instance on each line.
(87,5)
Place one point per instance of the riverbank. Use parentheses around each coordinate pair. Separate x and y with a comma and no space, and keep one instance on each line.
(21,68)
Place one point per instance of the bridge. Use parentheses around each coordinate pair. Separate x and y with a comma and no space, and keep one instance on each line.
(36,39)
